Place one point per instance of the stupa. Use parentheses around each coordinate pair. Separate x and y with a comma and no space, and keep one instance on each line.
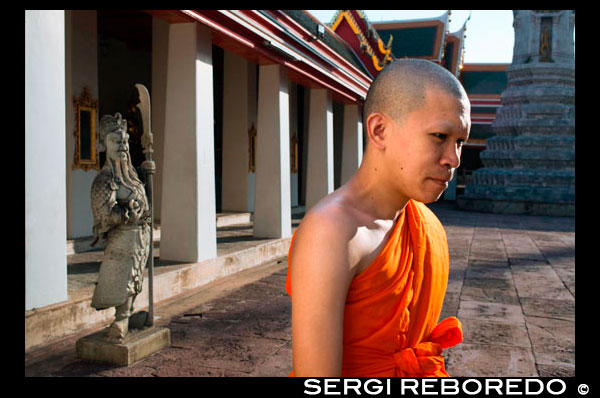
(529,164)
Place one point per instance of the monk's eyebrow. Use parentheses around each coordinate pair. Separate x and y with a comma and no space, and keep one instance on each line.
(442,127)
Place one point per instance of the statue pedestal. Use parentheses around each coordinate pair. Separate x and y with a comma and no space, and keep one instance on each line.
(137,345)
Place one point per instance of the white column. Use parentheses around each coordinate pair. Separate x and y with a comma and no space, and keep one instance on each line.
(352,143)
(188,216)
(235,133)
(319,179)
(272,209)
(45,181)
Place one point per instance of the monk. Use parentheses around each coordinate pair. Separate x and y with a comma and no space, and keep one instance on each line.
(368,265)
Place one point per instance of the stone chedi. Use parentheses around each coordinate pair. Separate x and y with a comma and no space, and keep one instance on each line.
(529,164)
(121,216)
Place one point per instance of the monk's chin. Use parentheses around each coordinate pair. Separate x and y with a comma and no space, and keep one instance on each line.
(429,197)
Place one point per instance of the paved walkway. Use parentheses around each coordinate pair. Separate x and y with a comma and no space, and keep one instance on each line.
(511,283)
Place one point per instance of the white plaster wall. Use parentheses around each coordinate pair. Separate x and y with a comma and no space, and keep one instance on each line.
(250,192)
(45,183)
(306,112)
(82,56)
(188,214)
(293,129)
(252,119)
(338,138)
(160,47)
(235,133)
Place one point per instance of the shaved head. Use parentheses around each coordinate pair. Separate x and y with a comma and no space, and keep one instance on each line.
(401,86)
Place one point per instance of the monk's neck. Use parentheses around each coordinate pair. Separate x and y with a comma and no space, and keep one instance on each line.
(373,196)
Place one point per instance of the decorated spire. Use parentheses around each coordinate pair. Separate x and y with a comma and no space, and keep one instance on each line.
(455,45)
(354,27)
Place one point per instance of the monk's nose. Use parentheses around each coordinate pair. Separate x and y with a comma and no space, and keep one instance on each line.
(451,158)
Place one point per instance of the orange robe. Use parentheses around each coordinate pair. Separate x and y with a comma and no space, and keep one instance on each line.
(392,307)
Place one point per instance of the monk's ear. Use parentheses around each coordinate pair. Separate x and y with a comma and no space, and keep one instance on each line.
(376,130)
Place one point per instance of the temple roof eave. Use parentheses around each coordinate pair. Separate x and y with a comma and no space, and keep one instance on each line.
(444,18)
(277,39)
(369,45)
(441,23)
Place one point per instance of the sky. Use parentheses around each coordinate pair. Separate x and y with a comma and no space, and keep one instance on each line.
(489,38)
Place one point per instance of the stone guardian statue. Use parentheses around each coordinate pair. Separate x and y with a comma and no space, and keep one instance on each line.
(121,217)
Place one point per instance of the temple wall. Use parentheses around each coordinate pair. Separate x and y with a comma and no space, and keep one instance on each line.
(160,47)
(82,71)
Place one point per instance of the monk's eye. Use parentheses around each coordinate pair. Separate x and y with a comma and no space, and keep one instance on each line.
(441,136)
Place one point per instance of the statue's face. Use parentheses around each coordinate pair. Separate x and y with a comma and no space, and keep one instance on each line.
(117,145)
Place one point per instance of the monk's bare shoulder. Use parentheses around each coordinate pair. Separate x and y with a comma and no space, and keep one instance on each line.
(320,279)
(324,235)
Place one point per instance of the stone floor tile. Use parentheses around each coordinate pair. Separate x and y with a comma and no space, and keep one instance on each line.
(236,353)
(448,312)
(277,365)
(539,282)
(484,263)
(275,328)
(481,360)
(549,308)
(495,333)
(567,275)
(556,370)
(451,300)
(501,296)
(489,283)
(488,273)
(497,256)
(565,359)
(487,233)
(479,244)
(558,254)
(523,250)
(458,251)
(454,286)
(552,336)
(517,263)
(456,274)
(546,237)
(525,255)
(458,240)
(569,240)
(461,262)
(562,263)
(82,368)
(493,312)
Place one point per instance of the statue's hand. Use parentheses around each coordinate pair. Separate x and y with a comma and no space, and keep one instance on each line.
(148,166)
(135,211)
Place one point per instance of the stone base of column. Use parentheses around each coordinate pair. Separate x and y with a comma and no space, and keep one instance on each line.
(137,345)
(516,207)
